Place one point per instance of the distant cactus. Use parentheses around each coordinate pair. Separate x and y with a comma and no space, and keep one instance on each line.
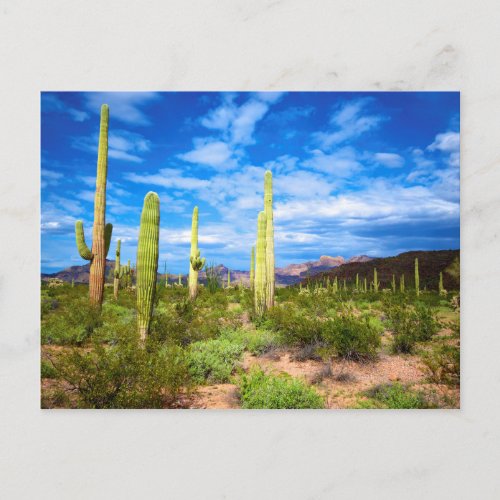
(101,232)
(72,282)
(442,291)
(345,286)
(335,285)
(393,284)
(260,266)
(268,208)
(357,281)
(147,261)
(180,280)
(402,284)
(228,278)
(417,279)
(118,271)
(375,280)
(366,285)
(196,263)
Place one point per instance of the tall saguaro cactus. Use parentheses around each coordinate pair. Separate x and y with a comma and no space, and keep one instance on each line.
(268,209)
(228,278)
(417,279)
(393,284)
(101,232)
(260,266)
(196,263)
(252,268)
(147,261)
(118,271)
(375,280)
(402,284)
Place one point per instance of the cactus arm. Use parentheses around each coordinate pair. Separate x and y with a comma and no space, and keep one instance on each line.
(83,249)
(108,231)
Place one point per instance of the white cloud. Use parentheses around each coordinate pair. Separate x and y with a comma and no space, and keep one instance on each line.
(390,160)
(342,163)
(215,154)
(348,123)
(123,106)
(169,178)
(122,145)
(447,142)
(51,103)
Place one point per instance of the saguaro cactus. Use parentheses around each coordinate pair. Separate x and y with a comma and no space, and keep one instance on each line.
(118,271)
(417,279)
(101,232)
(375,280)
(260,266)
(196,263)
(442,291)
(268,209)
(357,281)
(366,285)
(393,284)
(180,280)
(147,261)
(228,278)
(402,284)
(252,268)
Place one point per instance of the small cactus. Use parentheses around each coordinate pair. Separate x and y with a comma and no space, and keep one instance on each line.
(147,261)
(417,279)
(118,271)
(195,261)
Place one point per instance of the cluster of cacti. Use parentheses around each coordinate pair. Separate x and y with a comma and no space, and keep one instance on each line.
(196,263)
(121,274)
(147,261)
(264,275)
(101,233)
(417,279)
(260,266)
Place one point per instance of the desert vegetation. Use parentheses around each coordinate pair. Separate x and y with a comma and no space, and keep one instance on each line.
(335,340)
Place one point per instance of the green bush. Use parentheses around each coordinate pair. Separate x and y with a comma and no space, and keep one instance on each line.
(352,338)
(393,396)
(47,369)
(124,375)
(294,326)
(261,391)
(213,361)
(71,325)
(409,325)
(443,364)
(257,341)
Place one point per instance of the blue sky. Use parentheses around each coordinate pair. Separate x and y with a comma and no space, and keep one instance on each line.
(373,173)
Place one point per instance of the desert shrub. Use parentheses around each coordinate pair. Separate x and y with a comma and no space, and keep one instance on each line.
(308,351)
(47,303)
(71,325)
(213,361)
(115,321)
(124,375)
(259,390)
(443,364)
(410,325)
(393,396)
(294,326)
(351,338)
(47,369)
(257,341)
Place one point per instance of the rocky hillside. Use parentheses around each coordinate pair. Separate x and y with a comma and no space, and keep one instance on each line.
(430,263)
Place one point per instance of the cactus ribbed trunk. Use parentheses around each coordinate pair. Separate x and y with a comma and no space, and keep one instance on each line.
(260,266)
(375,280)
(268,209)
(98,265)
(116,281)
(441,287)
(393,284)
(357,281)
(195,262)
(147,262)
(252,268)
(402,284)
(228,278)
(101,233)
(417,279)
(366,285)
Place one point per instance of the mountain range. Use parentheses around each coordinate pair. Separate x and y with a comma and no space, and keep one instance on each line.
(289,275)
